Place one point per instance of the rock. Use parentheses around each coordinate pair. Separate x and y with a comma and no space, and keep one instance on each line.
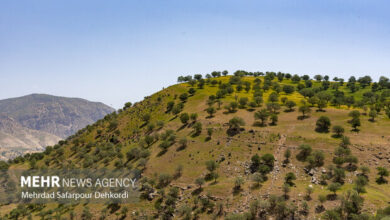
(312,172)
(314,180)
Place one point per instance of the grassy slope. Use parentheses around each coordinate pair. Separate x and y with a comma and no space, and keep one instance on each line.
(242,146)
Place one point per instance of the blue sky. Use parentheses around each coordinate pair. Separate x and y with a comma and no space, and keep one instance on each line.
(122,50)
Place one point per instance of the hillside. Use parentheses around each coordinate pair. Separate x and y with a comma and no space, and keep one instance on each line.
(30,123)
(249,146)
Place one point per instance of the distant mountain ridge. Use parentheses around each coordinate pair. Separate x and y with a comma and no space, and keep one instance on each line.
(34,121)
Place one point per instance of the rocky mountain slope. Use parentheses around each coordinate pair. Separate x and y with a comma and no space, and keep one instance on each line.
(248,146)
(31,122)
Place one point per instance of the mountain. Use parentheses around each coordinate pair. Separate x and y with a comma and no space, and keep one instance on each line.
(32,122)
(236,147)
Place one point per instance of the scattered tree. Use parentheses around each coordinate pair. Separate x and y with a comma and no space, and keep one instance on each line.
(382,173)
(338,131)
(323,124)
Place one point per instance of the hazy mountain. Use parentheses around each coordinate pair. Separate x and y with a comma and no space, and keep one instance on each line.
(32,122)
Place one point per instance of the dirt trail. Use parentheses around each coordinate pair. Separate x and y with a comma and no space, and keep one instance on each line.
(279,157)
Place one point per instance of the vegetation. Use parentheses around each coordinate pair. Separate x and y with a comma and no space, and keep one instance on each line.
(192,158)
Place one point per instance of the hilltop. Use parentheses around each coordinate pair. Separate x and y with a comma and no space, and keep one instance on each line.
(32,122)
(246,146)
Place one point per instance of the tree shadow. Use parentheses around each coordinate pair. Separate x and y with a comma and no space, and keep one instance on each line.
(321,130)
(320,208)
(331,197)
(301,117)
(237,191)
(162,152)
(256,186)
(181,147)
(197,191)
(259,124)
(336,136)
(195,134)
(232,131)
(174,117)
(182,127)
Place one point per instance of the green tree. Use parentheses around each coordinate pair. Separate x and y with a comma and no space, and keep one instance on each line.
(146,117)
(289,178)
(355,123)
(209,132)
(338,175)
(197,128)
(286,189)
(257,178)
(287,155)
(338,130)
(199,181)
(184,117)
(288,89)
(360,183)
(274,119)
(382,173)
(211,165)
(323,124)
(194,116)
(238,182)
(373,114)
(334,187)
(243,102)
(262,115)
(211,111)
(235,125)
(232,107)
(273,97)
(183,97)
(305,110)
(316,159)
(304,152)
(354,114)
(268,160)
(290,105)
